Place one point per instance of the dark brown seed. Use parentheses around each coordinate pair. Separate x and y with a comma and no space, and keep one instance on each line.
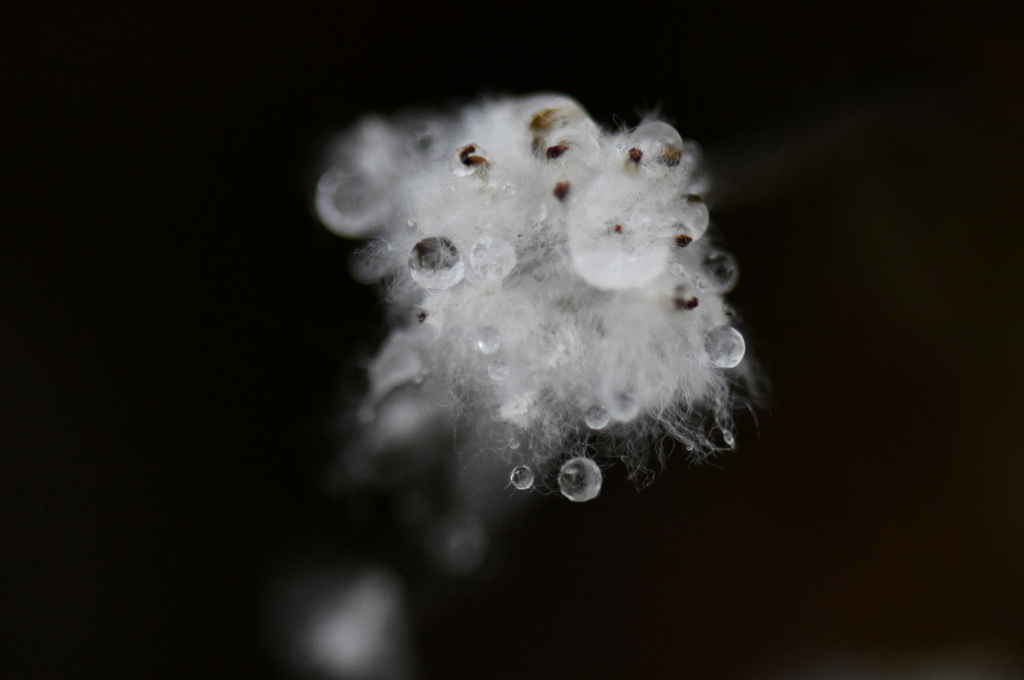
(561,189)
(556,150)
(618,228)
(468,156)
(685,303)
(421,317)
(635,155)
(694,198)
(683,240)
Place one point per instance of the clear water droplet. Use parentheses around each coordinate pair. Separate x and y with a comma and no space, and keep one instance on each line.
(498,370)
(659,142)
(488,340)
(622,406)
(580,479)
(676,269)
(435,263)
(513,443)
(596,417)
(492,258)
(725,346)
(694,217)
(522,477)
(721,271)
(728,437)
(348,205)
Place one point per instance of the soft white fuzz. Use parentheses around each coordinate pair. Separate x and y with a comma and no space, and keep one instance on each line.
(548,281)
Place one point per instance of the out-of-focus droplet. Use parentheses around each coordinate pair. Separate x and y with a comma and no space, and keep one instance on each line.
(492,258)
(693,217)
(720,271)
(622,406)
(725,346)
(347,204)
(596,417)
(580,479)
(513,443)
(488,340)
(498,370)
(435,263)
(522,477)
(397,363)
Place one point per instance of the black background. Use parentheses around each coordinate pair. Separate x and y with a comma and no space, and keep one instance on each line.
(174,327)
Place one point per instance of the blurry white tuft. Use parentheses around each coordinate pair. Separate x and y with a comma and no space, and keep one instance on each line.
(552,281)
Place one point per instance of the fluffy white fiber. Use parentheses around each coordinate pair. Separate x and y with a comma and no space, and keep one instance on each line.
(550,283)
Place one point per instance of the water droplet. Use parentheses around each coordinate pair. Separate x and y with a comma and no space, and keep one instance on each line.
(721,271)
(580,479)
(498,370)
(348,205)
(492,258)
(693,217)
(510,189)
(522,477)
(676,269)
(435,263)
(725,346)
(513,443)
(728,437)
(658,142)
(488,340)
(622,406)
(596,417)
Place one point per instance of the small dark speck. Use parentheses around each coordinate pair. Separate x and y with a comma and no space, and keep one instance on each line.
(683,240)
(635,155)
(556,150)
(561,189)
(421,317)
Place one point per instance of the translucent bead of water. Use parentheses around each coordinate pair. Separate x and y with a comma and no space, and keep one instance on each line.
(657,142)
(498,370)
(725,346)
(580,479)
(721,271)
(488,340)
(435,263)
(728,438)
(346,203)
(522,477)
(492,258)
(693,217)
(596,417)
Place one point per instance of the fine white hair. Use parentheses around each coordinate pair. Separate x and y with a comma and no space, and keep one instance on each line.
(550,284)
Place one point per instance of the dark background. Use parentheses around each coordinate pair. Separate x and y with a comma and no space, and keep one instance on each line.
(174,327)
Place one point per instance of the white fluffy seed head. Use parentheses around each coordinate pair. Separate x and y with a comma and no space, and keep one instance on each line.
(554,277)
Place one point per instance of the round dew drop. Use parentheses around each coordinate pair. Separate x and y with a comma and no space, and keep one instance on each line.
(580,479)
(725,346)
(435,263)
(488,340)
(596,417)
(522,477)
(498,370)
(721,271)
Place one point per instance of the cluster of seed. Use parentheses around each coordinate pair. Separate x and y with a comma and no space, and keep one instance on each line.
(548,280)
